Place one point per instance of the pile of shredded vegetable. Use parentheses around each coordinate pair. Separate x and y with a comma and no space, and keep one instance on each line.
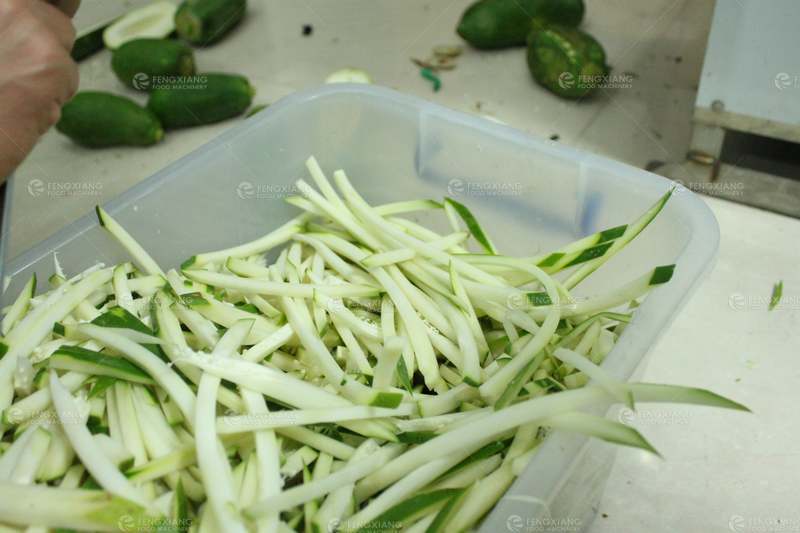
(376,376)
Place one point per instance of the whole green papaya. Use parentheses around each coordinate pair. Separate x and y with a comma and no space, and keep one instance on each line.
(566,61)
(503,23)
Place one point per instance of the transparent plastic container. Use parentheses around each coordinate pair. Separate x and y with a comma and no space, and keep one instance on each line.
(531,194)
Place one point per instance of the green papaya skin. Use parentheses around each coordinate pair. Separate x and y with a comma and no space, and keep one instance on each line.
(490,24)
(562,12)
(88,44)
(139,63)
(99,120)
(204,22)
(566,61)
(213,98)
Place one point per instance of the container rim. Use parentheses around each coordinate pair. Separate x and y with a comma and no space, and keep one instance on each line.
(692,207)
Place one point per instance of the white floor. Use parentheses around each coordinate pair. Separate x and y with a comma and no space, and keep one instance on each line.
(660,42)
(722,471)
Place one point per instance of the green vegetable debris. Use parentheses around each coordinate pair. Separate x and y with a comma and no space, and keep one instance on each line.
(777,294)
(431,76)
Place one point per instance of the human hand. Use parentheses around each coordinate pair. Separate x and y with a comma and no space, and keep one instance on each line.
(37,74)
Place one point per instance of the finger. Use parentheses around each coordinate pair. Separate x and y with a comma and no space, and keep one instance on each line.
(56,21)
(73,81)
(68,80)
(50,74)
(59,82)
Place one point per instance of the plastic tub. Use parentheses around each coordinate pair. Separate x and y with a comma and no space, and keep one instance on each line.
(531,194)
